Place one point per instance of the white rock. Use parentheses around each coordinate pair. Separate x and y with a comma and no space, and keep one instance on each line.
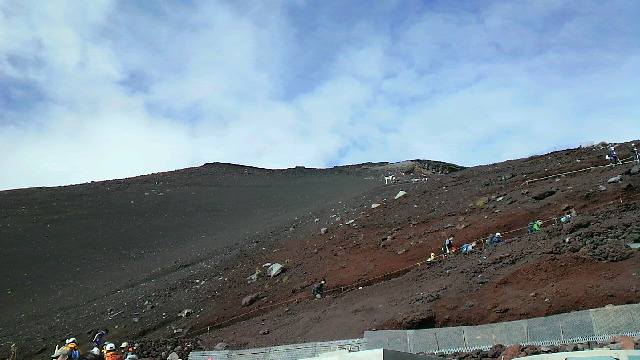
(252,278)
(274,269)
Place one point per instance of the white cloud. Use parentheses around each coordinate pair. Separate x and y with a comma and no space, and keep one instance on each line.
(109,89)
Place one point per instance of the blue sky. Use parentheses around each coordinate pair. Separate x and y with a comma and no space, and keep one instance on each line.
(103,89)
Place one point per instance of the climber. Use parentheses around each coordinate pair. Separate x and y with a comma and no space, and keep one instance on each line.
(97,337)
(432,257)
(68,351)
(318,288)
(110,352)
(530,226)
(613,156)
(537,225)
(448,248)
(496,238)
(634,153)
(467,247)
(128,352)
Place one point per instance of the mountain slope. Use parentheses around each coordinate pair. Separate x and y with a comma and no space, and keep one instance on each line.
(132,254)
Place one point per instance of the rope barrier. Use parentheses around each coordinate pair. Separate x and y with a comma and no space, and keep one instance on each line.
(622,162)
(365,281)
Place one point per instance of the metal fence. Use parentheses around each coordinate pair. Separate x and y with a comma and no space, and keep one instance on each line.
(551,329)
(594,324)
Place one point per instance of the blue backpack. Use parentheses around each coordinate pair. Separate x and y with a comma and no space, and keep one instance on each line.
(530,227)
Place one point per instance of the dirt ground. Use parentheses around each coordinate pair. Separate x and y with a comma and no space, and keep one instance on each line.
(131,255)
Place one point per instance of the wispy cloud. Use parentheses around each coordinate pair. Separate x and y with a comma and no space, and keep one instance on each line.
(108,89)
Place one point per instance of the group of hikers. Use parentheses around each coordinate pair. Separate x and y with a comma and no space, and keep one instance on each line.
(108,350)
(449,249)
(612,155)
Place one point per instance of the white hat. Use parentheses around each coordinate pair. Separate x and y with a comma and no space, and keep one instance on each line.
(110,347)
(498,234)
(124,345)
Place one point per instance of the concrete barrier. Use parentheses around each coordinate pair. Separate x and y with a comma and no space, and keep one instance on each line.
(570,327)
(556,328)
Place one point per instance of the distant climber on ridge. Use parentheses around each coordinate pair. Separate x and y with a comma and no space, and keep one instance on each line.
(634,153)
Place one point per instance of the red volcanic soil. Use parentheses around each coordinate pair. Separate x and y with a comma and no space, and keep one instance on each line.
(131,254)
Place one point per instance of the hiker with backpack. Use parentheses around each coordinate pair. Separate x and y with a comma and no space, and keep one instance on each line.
(128,351)
(447,247)
(530,226)
(69,351)
(537,225)
(613,156)
(496,238)
(111,353)
(97,337)
(634,153)
(467,247)
(318,289)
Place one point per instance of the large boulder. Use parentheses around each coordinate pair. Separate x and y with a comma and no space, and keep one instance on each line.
(253,277)
(220,346)
(275,269)
(614,179)
(250,299)
(510,352)
(400,194)
(624,342)
(544,195)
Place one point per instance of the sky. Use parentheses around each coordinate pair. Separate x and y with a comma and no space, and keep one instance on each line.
(105,89)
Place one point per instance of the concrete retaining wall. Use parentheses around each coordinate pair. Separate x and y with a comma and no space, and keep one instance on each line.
(556,328)
(560,328)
